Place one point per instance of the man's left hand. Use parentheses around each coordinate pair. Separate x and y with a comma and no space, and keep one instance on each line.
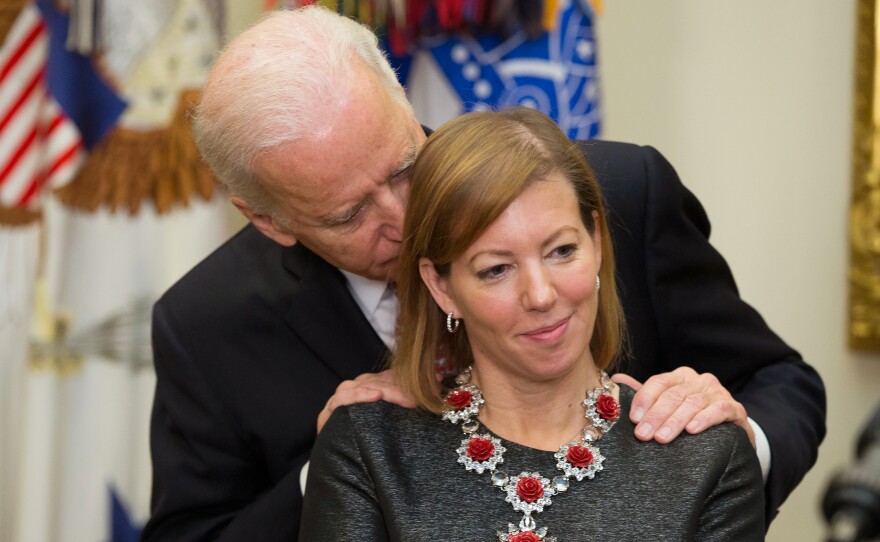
(668,403)
(366,388)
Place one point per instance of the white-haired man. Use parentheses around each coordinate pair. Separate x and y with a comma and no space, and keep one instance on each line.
(306,126)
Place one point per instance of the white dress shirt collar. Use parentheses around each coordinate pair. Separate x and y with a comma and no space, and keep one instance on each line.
(379,309)
(366,292)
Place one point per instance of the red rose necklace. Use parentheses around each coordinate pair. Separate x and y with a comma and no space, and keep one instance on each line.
(529,492)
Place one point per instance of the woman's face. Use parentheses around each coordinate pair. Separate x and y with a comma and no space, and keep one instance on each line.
(526,289)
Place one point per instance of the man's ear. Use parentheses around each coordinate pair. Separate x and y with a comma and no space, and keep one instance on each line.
(267,225)
(439,287)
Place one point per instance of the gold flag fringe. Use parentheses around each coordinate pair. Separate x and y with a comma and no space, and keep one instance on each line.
(16,216)
(130,166)
(9,10)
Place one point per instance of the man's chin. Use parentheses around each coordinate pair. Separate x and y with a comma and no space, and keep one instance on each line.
(381,271)
(386,271)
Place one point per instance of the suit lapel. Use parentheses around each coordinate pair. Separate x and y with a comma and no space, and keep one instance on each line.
(328,320)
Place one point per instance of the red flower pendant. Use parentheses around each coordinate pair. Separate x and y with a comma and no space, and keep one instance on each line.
(529,489)
(480,449)
(459,399)
(579,456)
(607,407)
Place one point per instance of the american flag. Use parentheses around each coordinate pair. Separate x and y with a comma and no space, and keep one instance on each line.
(43,89)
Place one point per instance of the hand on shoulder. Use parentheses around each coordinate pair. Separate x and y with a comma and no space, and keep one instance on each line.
(366,388)
(668,403)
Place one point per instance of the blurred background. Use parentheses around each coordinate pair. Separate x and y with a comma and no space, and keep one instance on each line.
(752,102)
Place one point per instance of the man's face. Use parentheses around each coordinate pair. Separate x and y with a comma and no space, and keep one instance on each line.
(342,192)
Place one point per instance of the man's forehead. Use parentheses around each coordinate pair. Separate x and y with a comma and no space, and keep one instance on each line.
(365,136)
(317,188)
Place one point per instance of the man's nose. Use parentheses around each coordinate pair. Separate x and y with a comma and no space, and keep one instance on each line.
(392,209)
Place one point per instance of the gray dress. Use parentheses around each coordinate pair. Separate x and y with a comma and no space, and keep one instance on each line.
(381,472)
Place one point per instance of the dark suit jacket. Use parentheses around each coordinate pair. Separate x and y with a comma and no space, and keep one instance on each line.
(252,342)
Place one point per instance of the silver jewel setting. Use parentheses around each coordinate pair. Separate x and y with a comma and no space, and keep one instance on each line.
(592,412)
(470,410)
(489,463)
(579,473)
(526,507)
(585,462)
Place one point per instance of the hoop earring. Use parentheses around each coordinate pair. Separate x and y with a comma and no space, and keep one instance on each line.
(598,283)
(452,323)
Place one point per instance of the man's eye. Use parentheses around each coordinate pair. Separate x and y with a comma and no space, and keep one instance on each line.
(350,218)
(403,175)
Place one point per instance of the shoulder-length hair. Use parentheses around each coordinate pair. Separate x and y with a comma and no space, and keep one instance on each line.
(469,171)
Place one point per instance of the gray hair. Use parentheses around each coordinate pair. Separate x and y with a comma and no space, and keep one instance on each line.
(265,87)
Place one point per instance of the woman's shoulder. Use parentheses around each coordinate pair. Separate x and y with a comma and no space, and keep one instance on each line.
(371,430)
(699,462)
(383,413)
(379,421)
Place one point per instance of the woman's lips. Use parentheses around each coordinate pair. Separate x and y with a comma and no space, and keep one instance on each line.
(548,334)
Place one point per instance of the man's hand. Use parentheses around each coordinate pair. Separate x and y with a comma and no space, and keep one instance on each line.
(366,388)
(681,400)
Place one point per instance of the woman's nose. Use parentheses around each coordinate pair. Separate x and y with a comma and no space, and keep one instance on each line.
(539,292)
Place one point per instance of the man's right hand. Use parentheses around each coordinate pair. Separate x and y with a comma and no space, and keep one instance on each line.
(366,388)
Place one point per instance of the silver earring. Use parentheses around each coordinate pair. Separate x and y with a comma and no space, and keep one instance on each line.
(598,283)
(452,323)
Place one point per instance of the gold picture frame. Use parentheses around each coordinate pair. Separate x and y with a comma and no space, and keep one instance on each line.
(864,226)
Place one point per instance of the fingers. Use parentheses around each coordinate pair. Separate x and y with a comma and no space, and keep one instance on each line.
(625,379)
(344,397)
(366,388)
(385,383)
(672,411)
(711,414)
(719,412)
(645,400)
(669,403)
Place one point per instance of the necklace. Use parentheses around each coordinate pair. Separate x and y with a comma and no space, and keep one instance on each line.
(530,492)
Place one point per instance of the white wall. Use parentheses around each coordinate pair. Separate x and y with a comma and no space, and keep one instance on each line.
(751,101)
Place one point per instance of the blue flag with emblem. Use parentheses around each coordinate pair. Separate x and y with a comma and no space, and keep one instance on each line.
(555,72)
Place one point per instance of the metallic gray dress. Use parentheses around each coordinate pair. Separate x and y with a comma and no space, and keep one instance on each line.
(380,472)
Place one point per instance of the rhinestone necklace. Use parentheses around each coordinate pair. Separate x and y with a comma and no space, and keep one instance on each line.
(529,492)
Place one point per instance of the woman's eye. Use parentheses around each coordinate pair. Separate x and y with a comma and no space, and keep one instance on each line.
(492,272)
(565,251)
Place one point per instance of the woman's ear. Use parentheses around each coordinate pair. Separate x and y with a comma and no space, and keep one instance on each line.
(438,286)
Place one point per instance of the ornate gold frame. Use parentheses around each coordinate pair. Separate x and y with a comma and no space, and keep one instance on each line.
(864,227)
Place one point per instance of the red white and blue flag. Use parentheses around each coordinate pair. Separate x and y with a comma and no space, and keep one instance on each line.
(74,416)
(54,106)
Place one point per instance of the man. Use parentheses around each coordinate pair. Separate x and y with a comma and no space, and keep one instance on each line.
(305,124)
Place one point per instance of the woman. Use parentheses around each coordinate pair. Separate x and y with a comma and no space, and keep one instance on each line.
(507,271)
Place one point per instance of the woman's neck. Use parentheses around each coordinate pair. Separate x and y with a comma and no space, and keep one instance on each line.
(541,415)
